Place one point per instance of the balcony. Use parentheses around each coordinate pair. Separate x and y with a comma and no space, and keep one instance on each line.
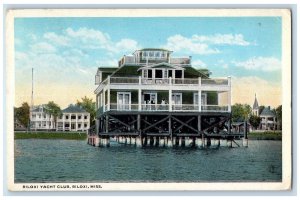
(213,84)
(162,108)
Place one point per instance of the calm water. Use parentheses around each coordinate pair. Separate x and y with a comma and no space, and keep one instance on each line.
(75,161)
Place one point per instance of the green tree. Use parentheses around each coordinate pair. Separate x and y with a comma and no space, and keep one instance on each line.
(255,121)
(240,112)
(54,110)
(22,114)
(260,109)
(278,113)
(90,106)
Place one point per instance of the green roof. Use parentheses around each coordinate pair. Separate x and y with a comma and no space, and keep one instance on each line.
(107,69)
(191,72)
(73,109)
(267,112)
(127,71)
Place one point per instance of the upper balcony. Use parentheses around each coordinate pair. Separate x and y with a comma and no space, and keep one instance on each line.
(211,84)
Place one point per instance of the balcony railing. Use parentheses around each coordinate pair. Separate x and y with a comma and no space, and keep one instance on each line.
(161,107)
(173,81)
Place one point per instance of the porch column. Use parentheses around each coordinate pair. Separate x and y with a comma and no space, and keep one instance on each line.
(97,101)
(108,99)
(229,94)
(63,122)
(199,100)
(170,99)
(140,99)
(76,122)
(103,100)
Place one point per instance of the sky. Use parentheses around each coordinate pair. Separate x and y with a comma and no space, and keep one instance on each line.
(66,52)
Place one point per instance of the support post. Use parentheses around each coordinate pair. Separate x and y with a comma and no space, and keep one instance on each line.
(108,99)
(245,139)
(139,98)
(229,94)
(170,100)
(106,123)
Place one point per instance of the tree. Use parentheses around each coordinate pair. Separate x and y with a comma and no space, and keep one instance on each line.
(90,106)
(54,110)
(240,112)
(22,114)
(260,109)
(255,121)
(278,113)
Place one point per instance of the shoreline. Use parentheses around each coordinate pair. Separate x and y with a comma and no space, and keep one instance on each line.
(51,135)
(267,135)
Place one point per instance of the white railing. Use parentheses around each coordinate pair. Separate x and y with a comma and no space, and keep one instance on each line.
(165,107)
(214,108)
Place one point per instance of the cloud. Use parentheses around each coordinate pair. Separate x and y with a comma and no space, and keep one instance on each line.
(127,45)
(198,63)
(260,63)
(180,43)
(42,48)
(222,39)
(57,39)
(202,44)
(244,89)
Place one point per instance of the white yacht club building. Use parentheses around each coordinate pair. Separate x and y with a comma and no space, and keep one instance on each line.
(150,94)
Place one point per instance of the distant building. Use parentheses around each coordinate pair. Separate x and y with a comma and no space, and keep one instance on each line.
(40,119)
(73,118)
(255,108)
(268,117)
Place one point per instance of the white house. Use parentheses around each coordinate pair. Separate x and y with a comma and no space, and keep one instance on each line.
(73,118)
(40,119)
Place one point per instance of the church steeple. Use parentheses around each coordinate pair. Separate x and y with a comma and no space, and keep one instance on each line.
(255,108)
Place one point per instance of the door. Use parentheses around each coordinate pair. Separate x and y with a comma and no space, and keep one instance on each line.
(150,101)
(177,101)
(124,101)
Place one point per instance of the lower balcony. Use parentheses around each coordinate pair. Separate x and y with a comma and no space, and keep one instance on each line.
(162,108)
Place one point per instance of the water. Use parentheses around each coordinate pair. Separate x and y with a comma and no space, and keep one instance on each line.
(74,161)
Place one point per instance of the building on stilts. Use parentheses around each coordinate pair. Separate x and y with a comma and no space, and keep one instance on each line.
(155,99)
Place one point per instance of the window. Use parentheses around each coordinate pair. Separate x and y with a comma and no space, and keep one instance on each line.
(85,116)
(144,54)
(159,73)
(44,116)
(85,125)
(170,73)
(178,73)
(79,117)
(151,54)
(149,73)
(163,54)
(33,116)
(67,116)
(39,116)
(73,116)
(157,54)
(79,125)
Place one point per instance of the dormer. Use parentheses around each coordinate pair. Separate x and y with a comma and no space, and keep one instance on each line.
(152,55)
(162,71)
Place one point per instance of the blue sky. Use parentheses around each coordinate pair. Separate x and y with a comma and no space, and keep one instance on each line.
(67,51)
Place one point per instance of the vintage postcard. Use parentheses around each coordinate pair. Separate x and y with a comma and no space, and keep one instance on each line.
(148,99)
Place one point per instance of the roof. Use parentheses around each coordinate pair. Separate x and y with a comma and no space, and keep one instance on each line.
(37,108)
(267,112)
(191,71)
(73,109)
(154,49)
(107,69)
(255,104)
(126,71)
